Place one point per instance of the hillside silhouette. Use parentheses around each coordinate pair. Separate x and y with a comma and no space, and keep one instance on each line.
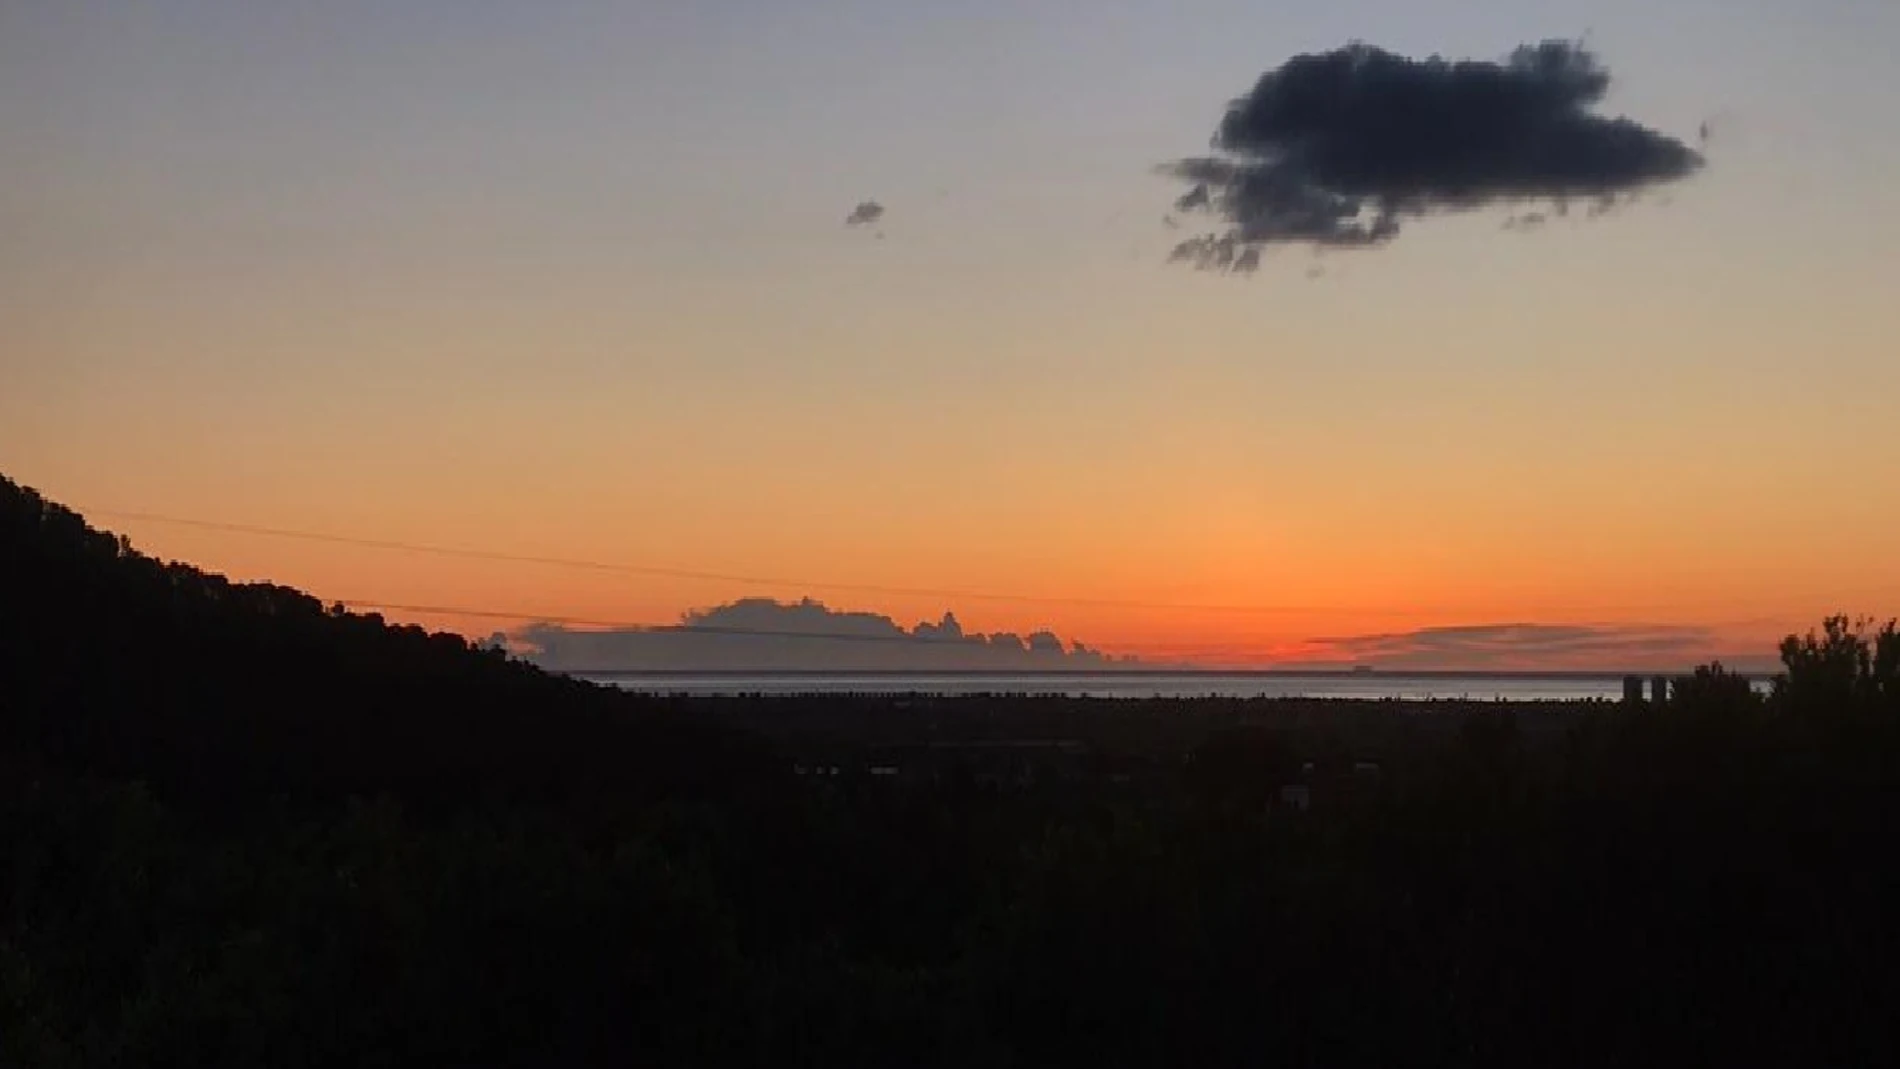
(238,828)
(120,663)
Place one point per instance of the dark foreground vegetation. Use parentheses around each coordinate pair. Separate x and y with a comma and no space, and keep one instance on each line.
(240,829)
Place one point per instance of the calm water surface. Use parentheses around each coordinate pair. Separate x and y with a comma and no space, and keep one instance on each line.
(1382,685)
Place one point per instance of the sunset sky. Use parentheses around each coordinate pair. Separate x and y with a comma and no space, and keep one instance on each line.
(570,279)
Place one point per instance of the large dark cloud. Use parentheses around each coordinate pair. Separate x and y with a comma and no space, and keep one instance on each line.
(764,634)
(1338,149)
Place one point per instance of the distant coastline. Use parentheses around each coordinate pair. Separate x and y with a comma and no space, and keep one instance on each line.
(1132,684)
(1347,674)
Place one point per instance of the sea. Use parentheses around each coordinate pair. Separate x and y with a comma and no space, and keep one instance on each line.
(1358,686)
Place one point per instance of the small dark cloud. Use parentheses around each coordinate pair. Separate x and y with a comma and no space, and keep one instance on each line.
(1603,206)
(865,214)
(1339,149)
(1222,252)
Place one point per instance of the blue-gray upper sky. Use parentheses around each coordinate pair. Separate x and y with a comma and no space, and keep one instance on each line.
(688,124)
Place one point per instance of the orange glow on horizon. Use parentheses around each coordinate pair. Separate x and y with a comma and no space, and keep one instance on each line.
(1191,621)
(357,284)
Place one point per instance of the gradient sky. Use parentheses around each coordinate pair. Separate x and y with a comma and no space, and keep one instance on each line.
(569,279)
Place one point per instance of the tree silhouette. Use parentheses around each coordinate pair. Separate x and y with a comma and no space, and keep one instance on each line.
(1848,666)
(1714,690)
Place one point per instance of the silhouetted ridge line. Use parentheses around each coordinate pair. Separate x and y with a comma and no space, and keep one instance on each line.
(117,663)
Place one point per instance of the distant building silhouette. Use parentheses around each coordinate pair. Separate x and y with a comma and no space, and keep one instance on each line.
(1632,690)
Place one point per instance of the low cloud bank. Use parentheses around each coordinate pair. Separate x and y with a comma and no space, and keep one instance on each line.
(1530,647)
(766,635)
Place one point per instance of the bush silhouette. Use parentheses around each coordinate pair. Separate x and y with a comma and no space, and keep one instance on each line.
(238,828)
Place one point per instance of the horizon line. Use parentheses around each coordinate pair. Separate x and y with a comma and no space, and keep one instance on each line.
(1025,673)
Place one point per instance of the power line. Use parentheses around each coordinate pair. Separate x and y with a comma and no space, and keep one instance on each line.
(396,545)
(640,628)
(709,576)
